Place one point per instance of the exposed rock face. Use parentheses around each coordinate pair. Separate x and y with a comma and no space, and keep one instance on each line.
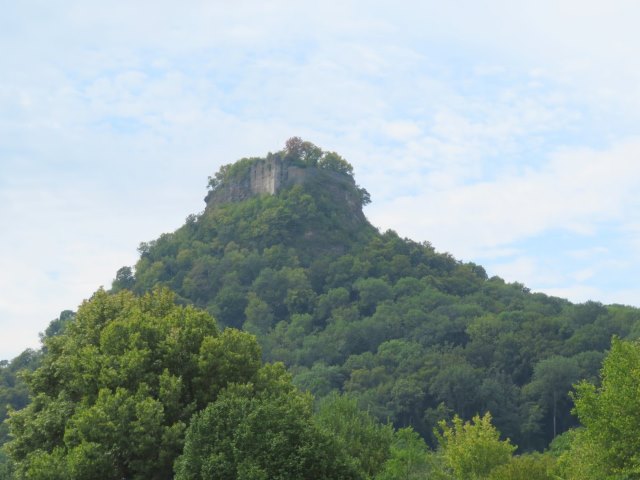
(264,176)
(271,175)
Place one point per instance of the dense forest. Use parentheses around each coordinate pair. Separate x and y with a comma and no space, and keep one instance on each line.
(281,336)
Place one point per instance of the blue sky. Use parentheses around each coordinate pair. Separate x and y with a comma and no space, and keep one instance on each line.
(505,133)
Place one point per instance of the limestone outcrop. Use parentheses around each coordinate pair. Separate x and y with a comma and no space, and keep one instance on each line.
(270,175)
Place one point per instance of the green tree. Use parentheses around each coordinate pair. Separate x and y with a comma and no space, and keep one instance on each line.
(610,414)
(526,467)
(457,385)
(58,325)
(6,467)
(580,458)
(410,458)
(231,302)
(552,380)
(371,292)
(471,450)
(302,151)
(334,162)
(263,430)
(356,432)
(124,279)
(259,317)
(14,392)
(117,388)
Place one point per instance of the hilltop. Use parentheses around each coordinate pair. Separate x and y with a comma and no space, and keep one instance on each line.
(301,164)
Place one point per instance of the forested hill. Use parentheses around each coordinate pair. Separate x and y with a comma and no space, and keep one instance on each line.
(154,379)
(282,250)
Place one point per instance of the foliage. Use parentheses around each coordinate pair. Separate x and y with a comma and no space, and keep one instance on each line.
(6,467)
(230,172)
(356,432)
(410,458)
(472,450)
(579,458)
(124,279)
(334,162)
(262,430)
(303,152)
(610,414)
(525,467)
(14,393)
(117,388)
(550,385)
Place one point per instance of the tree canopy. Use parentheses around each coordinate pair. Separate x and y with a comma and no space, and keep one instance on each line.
(608,445)
(116,390)
(262,430)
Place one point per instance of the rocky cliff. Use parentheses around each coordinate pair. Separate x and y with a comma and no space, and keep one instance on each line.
(270,175)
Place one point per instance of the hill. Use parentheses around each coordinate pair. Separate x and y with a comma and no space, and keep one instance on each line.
(283,250)
(139,383)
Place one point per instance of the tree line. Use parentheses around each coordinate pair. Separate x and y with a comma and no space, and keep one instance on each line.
(142,388)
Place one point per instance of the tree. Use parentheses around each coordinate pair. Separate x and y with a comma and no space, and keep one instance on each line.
(579,458)
(14,395)
(610,414)
(231,302)
(457,384)
(124,279)
(58,325)
(218,178)
(371,292)
(6,468)
(297,149)
(356,432)
(117,388)
(293,147)
(259,317)
(525,467)
(552,380)
(263,430)
(334,162)
(471,450)
(364,195)
(410,458)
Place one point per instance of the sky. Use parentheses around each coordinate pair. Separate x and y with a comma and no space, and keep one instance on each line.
(505,133)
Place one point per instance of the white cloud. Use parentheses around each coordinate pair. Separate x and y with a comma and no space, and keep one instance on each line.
(579,293)
(402,130)
(589,253)
(584,274)
(575,190)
